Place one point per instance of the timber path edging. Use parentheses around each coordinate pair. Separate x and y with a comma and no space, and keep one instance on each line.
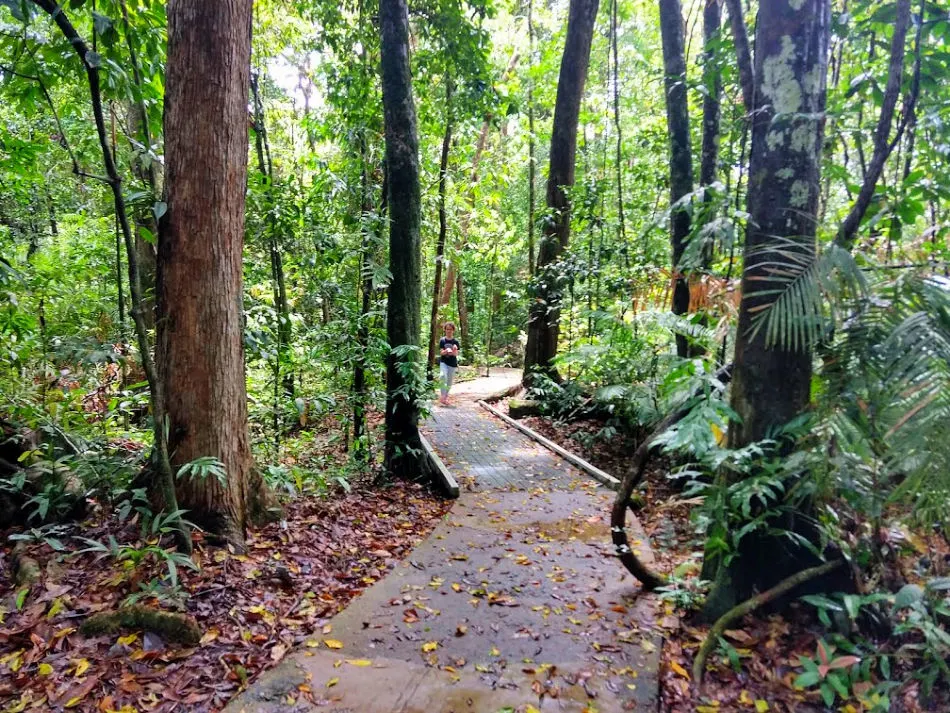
(514,600)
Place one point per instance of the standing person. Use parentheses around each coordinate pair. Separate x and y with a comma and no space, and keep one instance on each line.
(448,360)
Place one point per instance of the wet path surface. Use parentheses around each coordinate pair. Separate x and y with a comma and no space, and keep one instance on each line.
(513,601)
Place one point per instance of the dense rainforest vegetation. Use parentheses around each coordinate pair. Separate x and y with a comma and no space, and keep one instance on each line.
(230,233)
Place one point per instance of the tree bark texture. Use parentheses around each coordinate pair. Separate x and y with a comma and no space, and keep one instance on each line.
(681,159)
(544,312)
(771,382)
(403,318)
(443,230)
(199,284)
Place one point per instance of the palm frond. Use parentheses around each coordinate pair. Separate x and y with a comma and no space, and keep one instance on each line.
(799,312)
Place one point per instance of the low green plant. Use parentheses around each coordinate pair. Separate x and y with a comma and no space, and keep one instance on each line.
(923,615)
(844,676)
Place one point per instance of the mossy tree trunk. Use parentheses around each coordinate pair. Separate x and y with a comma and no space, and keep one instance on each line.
(544,311)
(771,382)
(403,319)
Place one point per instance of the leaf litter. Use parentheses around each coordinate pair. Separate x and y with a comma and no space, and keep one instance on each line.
(252,608)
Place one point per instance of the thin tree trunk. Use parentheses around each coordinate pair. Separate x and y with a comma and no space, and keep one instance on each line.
(163,486)
(771,382)
(618,159)
(740,37)
(149,173)
(531,151)
(681,160)
(883,144)
(201,323)
(443,229)
(544,311)
(466,218)
(403,318)
(266,169)
(709,160)
(362,363)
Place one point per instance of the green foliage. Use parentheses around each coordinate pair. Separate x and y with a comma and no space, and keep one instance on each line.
(202,468)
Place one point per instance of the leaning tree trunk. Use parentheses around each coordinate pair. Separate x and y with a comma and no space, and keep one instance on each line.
(200,350)
(403,319)
(771,382)
(544,312)
(681,159)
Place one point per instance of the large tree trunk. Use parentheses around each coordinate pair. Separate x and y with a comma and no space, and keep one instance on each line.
(200,327)
(771,382)
(544,311)
(403,319)
(681,159)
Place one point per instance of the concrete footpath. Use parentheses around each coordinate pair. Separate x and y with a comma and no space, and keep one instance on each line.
(513,603)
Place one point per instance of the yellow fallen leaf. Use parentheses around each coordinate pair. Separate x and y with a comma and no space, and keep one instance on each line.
(359,662)
(312,643)
(430,646)
(333,644)
(531,709)
(745,699)
(679,669)
(332,682)
(494,651)
(457,587)
(761,706)
(45,669)
(73,702)
(131,638)
(82,665)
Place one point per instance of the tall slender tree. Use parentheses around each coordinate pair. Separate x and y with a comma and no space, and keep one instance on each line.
(200,352)
(403,318)
(545,310)
(681,159)
(771,381)
(443,230)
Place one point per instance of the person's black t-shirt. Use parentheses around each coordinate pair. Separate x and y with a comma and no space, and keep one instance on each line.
(449,359)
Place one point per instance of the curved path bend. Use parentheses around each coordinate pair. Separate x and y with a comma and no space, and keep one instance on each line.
(513,603)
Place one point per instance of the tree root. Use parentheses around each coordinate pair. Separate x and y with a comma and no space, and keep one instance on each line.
(631,479)
(750,605)
(179,628)
(26,570)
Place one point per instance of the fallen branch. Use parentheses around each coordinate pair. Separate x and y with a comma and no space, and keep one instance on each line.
(750,605)
(631,479)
